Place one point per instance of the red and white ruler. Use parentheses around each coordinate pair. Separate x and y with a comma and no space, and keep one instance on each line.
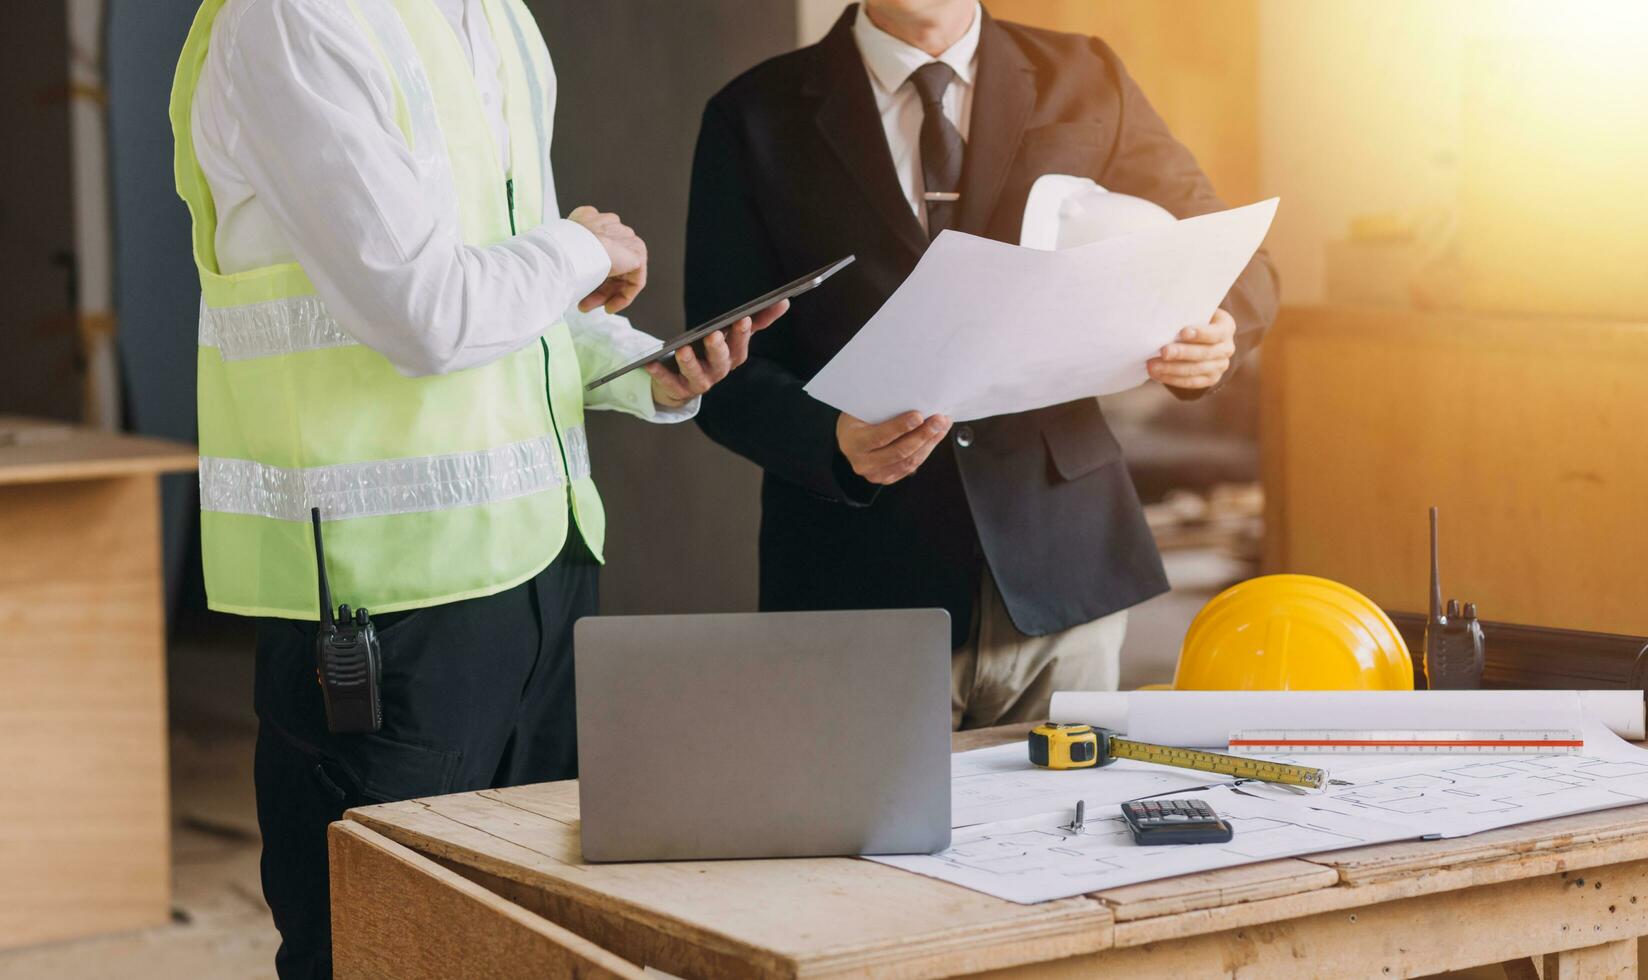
(1407,741)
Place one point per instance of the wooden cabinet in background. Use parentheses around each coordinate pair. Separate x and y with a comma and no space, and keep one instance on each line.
(1528,434)
(84,819)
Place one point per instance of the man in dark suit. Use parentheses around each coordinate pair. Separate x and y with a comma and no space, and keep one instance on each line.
(913,116)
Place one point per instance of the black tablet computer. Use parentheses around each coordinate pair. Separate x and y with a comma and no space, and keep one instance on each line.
(727,319)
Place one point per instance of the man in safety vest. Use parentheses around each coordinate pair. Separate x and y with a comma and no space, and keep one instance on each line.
(396,326)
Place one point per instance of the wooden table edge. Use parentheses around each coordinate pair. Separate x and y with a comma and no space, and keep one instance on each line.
(1073,926)
(1339,886)
(99,469)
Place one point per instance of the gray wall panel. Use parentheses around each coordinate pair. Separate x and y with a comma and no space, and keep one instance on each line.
(157,294)
(40,373)
(634,77)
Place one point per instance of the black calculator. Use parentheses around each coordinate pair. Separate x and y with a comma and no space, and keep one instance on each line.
(1174,822)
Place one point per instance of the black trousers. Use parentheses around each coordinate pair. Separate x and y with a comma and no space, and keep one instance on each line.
(476,694)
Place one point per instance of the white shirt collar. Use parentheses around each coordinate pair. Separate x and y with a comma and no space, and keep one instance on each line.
(892,61)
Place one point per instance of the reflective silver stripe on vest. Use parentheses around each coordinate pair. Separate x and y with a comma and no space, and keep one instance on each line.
(577,452)
(540,112)
(279,326)
(301,323)
(389,486)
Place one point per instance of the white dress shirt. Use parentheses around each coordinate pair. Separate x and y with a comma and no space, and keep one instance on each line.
(294,127)
(890,63)
(468,20)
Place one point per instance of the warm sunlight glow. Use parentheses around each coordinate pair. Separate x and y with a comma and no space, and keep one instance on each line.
(1554,143)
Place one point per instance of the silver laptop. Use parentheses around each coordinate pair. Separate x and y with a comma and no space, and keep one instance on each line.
(763,734)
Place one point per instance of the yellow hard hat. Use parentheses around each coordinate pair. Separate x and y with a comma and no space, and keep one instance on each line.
(1293,632)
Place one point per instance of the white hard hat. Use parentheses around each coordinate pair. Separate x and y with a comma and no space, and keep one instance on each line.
(1064,211)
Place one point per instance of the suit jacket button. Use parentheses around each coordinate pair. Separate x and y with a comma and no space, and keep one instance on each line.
(964,436)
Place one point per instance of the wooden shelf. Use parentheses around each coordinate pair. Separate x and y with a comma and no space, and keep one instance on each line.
(37,451)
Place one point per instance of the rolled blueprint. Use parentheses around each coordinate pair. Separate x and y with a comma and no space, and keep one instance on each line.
(1206,718)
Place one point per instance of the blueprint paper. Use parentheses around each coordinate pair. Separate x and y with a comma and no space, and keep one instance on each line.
(1033,859)
(1030,858)
(1453,796)
(1206,718)
(984,328)
(998,783)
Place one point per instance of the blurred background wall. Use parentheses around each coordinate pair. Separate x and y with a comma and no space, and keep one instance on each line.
(157,294)
(1476,155)
(1501,136)
(683,511)
(39,349)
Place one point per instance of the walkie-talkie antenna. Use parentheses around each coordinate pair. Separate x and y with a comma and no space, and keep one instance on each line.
(326,587)
(1436,575)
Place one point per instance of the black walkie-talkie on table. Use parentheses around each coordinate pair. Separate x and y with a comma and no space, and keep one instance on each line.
(1454,645)
(346,659)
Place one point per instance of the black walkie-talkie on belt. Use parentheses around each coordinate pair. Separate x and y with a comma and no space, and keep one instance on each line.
(346,659)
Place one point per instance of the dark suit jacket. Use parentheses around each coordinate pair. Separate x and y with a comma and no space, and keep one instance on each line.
(793,171)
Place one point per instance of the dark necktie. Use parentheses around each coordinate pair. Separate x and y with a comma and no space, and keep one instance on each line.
(941,147)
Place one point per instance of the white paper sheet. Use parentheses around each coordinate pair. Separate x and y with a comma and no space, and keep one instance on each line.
(1206,718)
(983,328)
(1455,796)
(998,783)
(1032,859)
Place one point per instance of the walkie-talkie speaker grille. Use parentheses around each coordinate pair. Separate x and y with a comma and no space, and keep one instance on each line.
(350,670)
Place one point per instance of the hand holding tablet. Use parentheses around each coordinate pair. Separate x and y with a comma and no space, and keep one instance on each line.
(699,333)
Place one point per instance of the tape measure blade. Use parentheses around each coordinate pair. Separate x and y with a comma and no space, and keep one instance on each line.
(1234,766)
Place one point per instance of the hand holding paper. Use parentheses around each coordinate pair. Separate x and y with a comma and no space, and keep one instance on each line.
(1199,356)
(983,328)
(887,453)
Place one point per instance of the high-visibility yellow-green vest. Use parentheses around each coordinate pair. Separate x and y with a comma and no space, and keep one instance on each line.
(431,489)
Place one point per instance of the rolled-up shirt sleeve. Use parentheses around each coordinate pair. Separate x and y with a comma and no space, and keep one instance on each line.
(314,135)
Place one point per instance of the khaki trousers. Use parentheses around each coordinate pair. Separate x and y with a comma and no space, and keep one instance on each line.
(1000,676)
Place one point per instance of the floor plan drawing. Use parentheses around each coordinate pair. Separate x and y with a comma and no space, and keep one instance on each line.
(998,783)
(1459,795)
(1032,859)
(1012,839)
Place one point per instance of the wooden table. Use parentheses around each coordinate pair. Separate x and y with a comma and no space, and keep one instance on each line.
(501,879)
(84,825)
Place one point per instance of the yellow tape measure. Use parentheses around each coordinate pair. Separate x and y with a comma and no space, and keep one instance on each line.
(1084,747)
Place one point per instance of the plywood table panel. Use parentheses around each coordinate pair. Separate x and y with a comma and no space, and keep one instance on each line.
(805,917)
(442,924)
(1570,894)
(1380,932)
(84,838)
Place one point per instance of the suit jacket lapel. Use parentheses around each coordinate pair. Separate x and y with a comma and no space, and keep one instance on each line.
(1005,93)
(851,126)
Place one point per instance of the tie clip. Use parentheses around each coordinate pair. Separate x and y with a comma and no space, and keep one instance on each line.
(945,197)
